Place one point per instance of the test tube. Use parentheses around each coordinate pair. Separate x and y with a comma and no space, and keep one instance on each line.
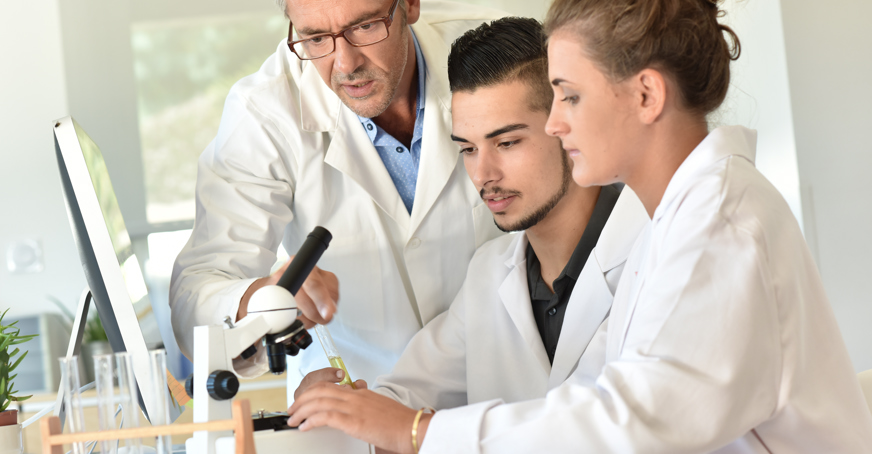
(159,410)
(332,353)
(104,373)
(73,399)
(129,399)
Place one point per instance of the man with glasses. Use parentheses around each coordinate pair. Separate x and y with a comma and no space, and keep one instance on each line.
(346,126)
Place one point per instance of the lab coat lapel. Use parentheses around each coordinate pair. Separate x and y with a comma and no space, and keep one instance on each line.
(588,306)
(439,154)
(516,298)
(350,150)
(591,299)
(352,153)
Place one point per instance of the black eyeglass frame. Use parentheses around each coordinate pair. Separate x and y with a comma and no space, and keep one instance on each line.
(388,20)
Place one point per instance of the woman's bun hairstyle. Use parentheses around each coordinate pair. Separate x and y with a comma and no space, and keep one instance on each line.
(681,38)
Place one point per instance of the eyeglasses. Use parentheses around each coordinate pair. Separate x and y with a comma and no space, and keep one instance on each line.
(360,35)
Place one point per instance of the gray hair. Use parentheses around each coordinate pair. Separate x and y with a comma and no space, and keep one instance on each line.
(283,4)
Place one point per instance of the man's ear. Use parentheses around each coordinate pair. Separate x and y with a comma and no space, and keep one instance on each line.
(650,94)
(413,11)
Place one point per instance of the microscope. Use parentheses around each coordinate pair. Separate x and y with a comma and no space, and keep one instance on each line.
(272,324)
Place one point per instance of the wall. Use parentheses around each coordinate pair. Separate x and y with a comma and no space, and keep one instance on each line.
(759,95)
(33,94)
(829,59)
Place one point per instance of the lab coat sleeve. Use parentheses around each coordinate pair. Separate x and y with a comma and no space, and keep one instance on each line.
(245,188)
(431,372)
(699,368)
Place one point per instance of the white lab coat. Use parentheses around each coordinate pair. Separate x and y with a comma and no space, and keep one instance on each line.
(290,156)
(487,345)
(720,339)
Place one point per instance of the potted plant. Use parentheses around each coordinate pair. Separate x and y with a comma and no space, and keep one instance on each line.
(10,430)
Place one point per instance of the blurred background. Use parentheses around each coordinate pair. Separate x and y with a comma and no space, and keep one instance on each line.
(147,81)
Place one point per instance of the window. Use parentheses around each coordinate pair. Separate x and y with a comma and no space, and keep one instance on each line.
(183,71)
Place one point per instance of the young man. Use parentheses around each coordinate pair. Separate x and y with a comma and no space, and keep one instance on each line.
(532,302)
(346,126)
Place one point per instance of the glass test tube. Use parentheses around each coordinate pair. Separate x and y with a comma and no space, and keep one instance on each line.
(73,399)
(104,374)
(332,353)
(159,411)
(129,399)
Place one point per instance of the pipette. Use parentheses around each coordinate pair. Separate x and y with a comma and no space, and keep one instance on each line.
(332,353)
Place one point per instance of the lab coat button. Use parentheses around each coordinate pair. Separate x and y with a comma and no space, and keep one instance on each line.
(414,243)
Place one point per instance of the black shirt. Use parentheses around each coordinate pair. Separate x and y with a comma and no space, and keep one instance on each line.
(549,308)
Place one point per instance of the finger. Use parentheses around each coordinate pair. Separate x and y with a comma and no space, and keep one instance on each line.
(318,390)
(332,284)
(335,419)
(308,324)
(318,288)
(328,374)
(304,411)
(360,384)
(308,307)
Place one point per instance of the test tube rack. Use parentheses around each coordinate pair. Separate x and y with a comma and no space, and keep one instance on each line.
(241,424)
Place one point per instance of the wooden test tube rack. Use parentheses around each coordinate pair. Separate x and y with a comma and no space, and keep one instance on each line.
(241,424)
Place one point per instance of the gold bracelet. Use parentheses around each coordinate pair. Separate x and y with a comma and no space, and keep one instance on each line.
(415,427)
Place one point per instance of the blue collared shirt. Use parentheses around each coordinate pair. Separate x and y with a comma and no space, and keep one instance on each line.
(401,162)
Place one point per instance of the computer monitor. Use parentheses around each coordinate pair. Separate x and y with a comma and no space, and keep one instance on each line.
(111,268)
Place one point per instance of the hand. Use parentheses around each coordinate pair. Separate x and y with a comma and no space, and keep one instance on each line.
(361,413)
(316,299)
(326,375)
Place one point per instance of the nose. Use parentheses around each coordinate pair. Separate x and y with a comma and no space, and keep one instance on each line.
(556,125)
(346,58)
(487,168)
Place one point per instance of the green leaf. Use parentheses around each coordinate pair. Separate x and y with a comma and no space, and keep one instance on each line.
(22,398)
(18,361)
(23,339)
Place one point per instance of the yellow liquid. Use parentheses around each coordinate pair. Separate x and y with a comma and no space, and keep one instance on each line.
(336,361)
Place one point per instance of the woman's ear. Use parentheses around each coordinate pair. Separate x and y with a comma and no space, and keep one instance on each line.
(650,90)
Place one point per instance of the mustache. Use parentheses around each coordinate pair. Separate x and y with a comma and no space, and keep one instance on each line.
(497,190)
(358,74)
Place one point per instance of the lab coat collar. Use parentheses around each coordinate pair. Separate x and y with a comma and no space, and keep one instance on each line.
(439,154)
(723,142)
(516,298)
(591,299)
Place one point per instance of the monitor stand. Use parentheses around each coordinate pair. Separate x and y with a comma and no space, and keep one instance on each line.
(74,348)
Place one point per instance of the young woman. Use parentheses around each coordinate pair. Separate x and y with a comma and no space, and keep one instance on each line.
(721,337)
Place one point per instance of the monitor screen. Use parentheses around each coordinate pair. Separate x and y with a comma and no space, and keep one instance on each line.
(111,268)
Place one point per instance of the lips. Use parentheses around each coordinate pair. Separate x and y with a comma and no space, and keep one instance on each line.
(499,203)
(572,152)
(358,90)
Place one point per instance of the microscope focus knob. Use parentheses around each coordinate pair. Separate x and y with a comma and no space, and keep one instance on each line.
(189,386)
(222,385)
